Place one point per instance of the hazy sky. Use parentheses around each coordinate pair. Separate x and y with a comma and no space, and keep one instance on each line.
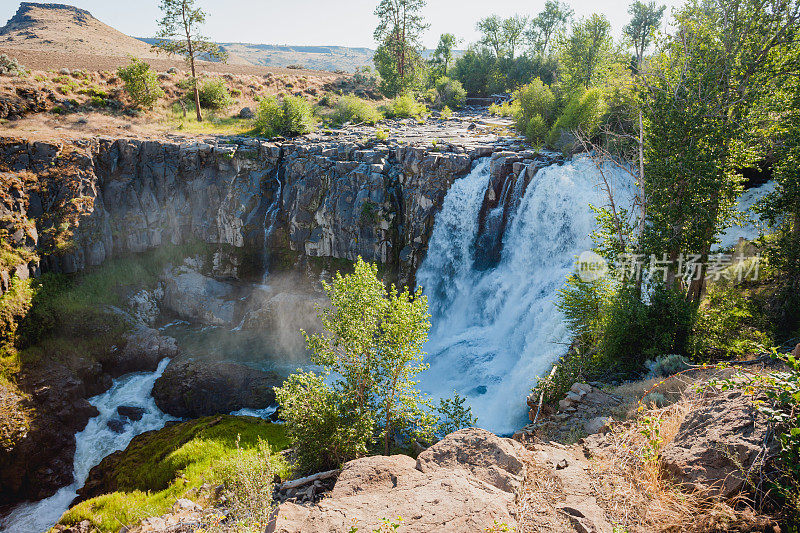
(322,22)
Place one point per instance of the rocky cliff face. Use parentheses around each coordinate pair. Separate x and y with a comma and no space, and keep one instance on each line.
(75,204)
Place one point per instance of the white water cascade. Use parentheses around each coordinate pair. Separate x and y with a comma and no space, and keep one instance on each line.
(495,330)
(94,443)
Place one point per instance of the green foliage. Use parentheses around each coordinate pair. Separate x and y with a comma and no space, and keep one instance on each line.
(645,20)
(446,113)
(372,344)
(537,107)
(325,426)
(725,325)
(482,73)
(141,83)
(213,94)
(547,24)
(578,366)
(634,331)
(355,110)
(442,56)
(583,304)
(405,107)
(160,467)
(397,58)
(586,52)
(246,476)
(291,116)
(666,365)
(583,113)
(449,93)
(502,35)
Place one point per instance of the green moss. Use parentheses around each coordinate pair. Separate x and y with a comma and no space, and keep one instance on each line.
(161,466)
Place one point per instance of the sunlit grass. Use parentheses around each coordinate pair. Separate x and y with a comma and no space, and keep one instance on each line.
(173,463)
(212,124)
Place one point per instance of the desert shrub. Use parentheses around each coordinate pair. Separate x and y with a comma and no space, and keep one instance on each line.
(214,94)
(446,113)
(141,83)
(583,112)
(536,109)
(381,134)
(666,365)
(10,66)
(93,91)
(449,93)
(290,116)
(405,107)
(356,110)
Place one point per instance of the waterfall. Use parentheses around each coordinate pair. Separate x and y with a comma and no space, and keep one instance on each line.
(270,217)
(496,330)
(94,443)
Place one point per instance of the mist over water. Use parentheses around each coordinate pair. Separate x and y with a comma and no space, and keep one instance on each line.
(495,330)
(95,442)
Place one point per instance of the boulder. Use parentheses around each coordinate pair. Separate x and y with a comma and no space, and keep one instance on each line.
(191,388)
(718,442)
(246,113)
(143,350)
(466,482)
(116,425)
(131,412)
(199,298)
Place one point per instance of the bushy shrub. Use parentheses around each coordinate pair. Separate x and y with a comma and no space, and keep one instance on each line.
(327,429)
(666,365)
(635,331)
(583,112)
(141,83)
(446,113)
(449,93)
(355,110)
(578,366)
(291,116)
(213,94)
(405,107)
(11,67)
(537,106)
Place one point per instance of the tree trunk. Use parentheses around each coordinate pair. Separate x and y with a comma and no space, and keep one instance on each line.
(190,49)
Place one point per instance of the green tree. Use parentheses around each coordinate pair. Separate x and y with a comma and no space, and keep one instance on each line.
(372,341)
(141,83)
(492,34)
(513,32)
(178,34)
(699,102)
(546,25)
(443,55)
(585,51)
(397,58)
(645,19)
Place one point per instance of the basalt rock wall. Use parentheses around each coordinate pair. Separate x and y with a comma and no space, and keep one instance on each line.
(68,205)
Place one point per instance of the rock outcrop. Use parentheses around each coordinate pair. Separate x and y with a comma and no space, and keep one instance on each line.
(719,444)
(469,481)
(191,388)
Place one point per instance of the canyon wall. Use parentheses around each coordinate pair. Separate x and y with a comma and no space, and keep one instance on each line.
(69,205)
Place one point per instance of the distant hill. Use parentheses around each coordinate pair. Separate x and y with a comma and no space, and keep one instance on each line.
(67,29)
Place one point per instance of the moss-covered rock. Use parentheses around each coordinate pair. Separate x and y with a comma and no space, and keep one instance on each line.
(161,466)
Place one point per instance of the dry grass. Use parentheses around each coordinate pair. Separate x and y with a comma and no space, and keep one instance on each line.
(543,494)
(628,478)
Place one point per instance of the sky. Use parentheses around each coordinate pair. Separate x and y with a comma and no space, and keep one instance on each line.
(323,22)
